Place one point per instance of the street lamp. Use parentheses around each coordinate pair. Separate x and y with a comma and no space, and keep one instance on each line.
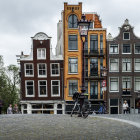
(83,25)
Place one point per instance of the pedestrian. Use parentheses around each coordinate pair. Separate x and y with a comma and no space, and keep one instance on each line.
(9,109)
(125,107)
(138,106)
(0,106)
(15,109)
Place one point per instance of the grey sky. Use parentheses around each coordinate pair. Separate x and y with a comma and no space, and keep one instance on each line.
(22,19)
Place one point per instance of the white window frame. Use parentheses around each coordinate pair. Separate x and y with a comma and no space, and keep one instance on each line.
(39,89)
(130,64)
(110,65)
(135,49)
(129,35)
(25,69)
(26,88)
(135,65)
(45,69)
(58,69)
(52,89)
(130,49)
(110,85)
(111,52)
(41,58)
(134,84)
(77,65)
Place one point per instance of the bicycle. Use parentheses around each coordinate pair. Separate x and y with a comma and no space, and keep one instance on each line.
(84,106)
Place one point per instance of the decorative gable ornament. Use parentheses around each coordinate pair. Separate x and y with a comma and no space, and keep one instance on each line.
(41,36)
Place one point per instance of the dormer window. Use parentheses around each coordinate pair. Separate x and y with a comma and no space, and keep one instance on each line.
(126,36)
(73,21)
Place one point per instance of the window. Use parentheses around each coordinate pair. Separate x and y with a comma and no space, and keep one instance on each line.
(114,65)
(55,87)
(93,67)
(126,83)
(93,43)
(137,64)
(72,21)
(91,25)
(73,86)
(86,86)
(73,65)
(126,48)
(42,88)
(101,90)
(41,53)
(101,44)
(94,90)
(55,69)
(86,67)
(73,42)
(126,36)
(126,65)
(114,49)
(114,84)
(29,71)
(42,70)
(137,48)
(137,83)
(29,85)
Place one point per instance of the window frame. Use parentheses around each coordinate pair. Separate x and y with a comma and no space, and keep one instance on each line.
(26,88)
(52,95)
(130,49)
(38,70)
(69,72)
(39,89)
(58,69)
(69,86)
(135,65)
(25,69)
(69,49)
(72,23)
(123,35)
(41,58)
(130,65)
(111,52)
(135,84)
(135,49)
(110,65)
(110,84)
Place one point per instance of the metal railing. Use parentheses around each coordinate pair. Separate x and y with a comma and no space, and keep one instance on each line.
(95,52)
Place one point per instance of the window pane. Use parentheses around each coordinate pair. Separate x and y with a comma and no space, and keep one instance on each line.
(72,21)
(126,36)
(114,65)
(114,48)
(42,69)
(126,48)
(29,69)
(29,88)
(137,48)
(73,86)
(73,43)
(113,84)
(73,65)
(42,87)
(137,64)
(55,87)
(137,83)
(55,69)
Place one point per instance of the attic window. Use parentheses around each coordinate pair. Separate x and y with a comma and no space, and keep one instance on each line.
(126,36)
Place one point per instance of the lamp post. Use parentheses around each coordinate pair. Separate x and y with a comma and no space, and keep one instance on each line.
(83,25)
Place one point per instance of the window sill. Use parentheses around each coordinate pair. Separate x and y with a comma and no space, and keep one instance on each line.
(73,50)
(73,73)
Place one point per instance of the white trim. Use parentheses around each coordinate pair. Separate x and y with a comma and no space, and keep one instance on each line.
(129,35)
(25,69)
(39,89)
(41,76)
(113,44)
(26,88)
(58,90)
(40,58)
(110,85)
(135,64)
(110,65)
(54,75)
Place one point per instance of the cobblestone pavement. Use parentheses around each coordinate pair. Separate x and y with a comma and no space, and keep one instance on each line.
(64,127)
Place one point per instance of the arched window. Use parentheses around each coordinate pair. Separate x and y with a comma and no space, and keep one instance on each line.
(72,21)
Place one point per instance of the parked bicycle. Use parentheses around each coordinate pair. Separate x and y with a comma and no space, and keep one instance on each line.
(83,104)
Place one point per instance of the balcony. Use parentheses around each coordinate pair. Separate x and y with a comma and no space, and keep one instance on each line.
(97,75)
(126,92)
(95,53)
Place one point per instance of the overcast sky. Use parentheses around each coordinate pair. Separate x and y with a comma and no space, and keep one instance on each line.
(22,19)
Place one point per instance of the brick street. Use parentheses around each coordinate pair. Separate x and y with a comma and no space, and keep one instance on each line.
(64,127)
